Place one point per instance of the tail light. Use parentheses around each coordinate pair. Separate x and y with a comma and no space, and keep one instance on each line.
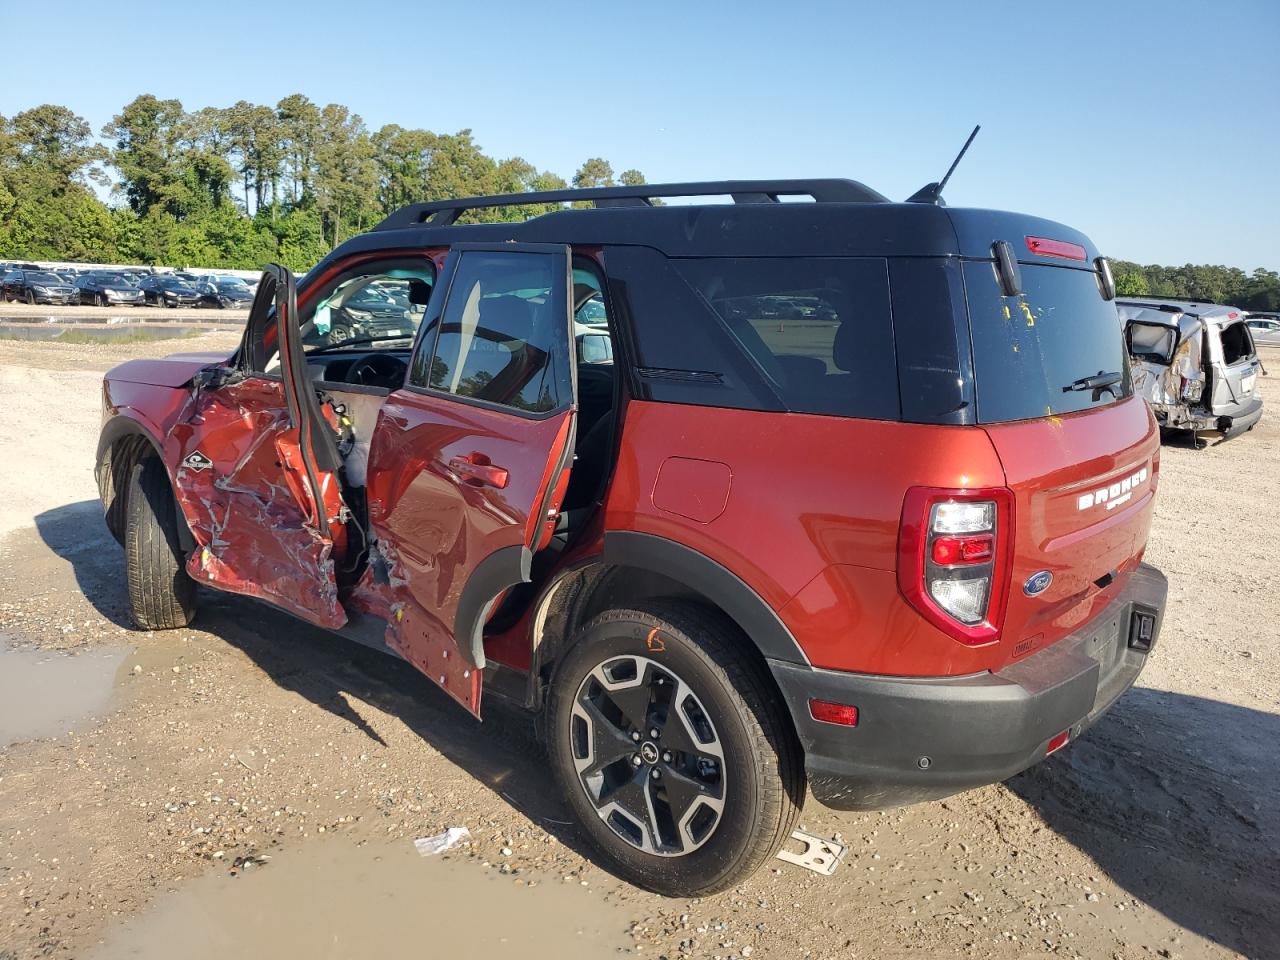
(954,556)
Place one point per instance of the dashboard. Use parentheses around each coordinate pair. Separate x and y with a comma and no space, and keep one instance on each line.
(384,369)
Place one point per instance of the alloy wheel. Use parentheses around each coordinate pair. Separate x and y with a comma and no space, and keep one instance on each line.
(648,756)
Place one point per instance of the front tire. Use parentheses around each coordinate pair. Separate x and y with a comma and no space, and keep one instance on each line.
(161,593)
(672,749)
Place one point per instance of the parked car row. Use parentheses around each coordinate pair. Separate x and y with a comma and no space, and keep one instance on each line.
(106,288)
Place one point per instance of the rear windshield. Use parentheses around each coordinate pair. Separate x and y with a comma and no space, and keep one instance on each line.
(1029,351)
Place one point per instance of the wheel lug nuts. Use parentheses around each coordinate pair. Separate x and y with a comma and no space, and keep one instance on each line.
(653,733)
(636,761)
(666,756)
(635,735)
(656,774)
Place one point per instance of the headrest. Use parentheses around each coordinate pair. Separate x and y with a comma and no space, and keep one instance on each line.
(510,316)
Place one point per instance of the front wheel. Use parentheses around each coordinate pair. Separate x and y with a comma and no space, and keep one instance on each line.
(161,593)
(673,750)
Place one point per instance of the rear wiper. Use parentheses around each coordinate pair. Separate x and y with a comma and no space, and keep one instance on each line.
(346,343)
(1097,383)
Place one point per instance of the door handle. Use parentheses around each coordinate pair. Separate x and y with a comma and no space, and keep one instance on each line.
(477,470)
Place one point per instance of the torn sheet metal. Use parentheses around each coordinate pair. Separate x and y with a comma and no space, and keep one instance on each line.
(239,485)
(413,631)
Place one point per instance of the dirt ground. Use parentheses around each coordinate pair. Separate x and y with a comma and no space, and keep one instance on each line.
(251,787)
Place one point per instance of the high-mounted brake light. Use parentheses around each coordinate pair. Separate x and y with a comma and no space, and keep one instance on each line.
(954,559)
(1044,247)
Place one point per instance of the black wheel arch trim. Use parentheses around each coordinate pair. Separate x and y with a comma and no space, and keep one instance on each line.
(501,570)
(714,581)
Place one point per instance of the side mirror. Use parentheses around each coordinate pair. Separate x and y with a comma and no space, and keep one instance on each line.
(1007,270)
(1105,280)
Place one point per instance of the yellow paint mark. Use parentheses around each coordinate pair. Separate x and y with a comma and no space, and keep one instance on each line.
(654,642)
(1007,314)
(1026,311)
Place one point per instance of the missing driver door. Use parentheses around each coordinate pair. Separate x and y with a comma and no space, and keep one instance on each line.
(470,459)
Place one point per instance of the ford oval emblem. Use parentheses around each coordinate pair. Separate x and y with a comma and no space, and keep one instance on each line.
(1037,583)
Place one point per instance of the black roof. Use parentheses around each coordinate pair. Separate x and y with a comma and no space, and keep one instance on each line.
(845,219)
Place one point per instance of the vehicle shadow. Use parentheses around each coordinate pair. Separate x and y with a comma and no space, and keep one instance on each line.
(1175,798)
(331,672)
(77,533)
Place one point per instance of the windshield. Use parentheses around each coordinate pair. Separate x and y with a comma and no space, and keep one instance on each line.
(1055,348)
(380,311)
(43,278)
(112,279)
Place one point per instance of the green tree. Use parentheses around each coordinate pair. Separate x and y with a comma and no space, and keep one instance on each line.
(594,173)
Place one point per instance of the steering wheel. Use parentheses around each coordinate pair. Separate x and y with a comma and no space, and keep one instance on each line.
(378,370)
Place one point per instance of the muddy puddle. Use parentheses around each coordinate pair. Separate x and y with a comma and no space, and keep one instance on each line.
(45,693)
(335,899)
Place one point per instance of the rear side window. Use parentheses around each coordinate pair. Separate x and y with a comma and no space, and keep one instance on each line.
(1030,352)
(819,329)
(1237,345)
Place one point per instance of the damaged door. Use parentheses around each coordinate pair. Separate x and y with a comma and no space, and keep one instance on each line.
(256,477)
(1164,358)
(470,459)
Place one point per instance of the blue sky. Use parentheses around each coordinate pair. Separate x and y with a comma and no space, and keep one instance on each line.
(1152,126)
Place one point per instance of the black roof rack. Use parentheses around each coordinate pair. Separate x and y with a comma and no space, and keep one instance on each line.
(441,213)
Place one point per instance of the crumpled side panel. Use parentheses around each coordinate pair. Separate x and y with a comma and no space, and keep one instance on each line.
(249,517)
(383,592)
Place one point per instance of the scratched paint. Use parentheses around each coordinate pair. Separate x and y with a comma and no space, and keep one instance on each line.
(252,522)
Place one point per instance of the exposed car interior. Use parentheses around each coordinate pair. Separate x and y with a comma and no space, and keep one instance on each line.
(359,337)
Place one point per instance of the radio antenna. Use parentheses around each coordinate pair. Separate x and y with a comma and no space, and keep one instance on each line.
(933,192)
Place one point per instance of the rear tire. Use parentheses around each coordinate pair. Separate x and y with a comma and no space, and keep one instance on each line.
(723,739)
(161,593)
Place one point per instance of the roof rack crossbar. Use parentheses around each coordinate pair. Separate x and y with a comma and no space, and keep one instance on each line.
(439,213)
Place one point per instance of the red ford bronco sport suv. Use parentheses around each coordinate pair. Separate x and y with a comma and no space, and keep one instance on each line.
(852,497)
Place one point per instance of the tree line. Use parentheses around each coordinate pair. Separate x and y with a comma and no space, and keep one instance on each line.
(1201,282)
(235,187)
(238,186)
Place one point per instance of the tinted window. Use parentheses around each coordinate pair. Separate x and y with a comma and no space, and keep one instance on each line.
(819,329)
(684,353)
(503,336)
(931,337)
(1028,350)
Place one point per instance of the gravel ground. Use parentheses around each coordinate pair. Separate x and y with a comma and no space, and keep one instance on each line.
(250,735)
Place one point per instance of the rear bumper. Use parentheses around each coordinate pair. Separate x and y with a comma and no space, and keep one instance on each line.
(1242,418)
(925,738)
